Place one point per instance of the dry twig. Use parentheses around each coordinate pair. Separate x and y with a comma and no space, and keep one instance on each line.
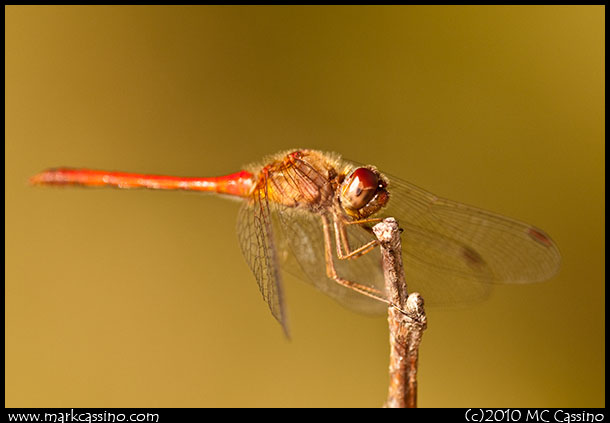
(406,319)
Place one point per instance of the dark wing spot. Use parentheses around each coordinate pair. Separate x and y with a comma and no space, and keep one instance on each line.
(539,236)
(472,257)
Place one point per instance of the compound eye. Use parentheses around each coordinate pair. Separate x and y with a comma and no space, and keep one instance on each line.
(359,188)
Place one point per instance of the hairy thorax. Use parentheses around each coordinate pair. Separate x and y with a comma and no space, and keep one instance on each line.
(302,179)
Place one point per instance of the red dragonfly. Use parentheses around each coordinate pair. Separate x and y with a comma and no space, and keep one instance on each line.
(305,209)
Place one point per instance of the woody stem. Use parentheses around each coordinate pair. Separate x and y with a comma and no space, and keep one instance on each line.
(406,330)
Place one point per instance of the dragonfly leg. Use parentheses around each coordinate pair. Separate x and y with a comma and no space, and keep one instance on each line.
(362,221)
(341,239)
(331,272)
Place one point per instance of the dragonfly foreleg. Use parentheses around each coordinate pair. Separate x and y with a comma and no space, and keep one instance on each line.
(331,272)
(362,221)
(341,239)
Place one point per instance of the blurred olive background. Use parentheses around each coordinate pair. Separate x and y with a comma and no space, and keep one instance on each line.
(141,298)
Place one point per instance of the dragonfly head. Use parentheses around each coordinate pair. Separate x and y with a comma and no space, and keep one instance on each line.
(363,192)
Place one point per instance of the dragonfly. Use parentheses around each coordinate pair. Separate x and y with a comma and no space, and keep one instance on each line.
(310,213)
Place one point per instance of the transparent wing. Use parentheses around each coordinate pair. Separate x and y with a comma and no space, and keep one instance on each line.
(515,252)
(439,268)
(255,229)
(448,246)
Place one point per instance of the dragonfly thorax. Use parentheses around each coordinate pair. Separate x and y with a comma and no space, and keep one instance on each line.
(301,179)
